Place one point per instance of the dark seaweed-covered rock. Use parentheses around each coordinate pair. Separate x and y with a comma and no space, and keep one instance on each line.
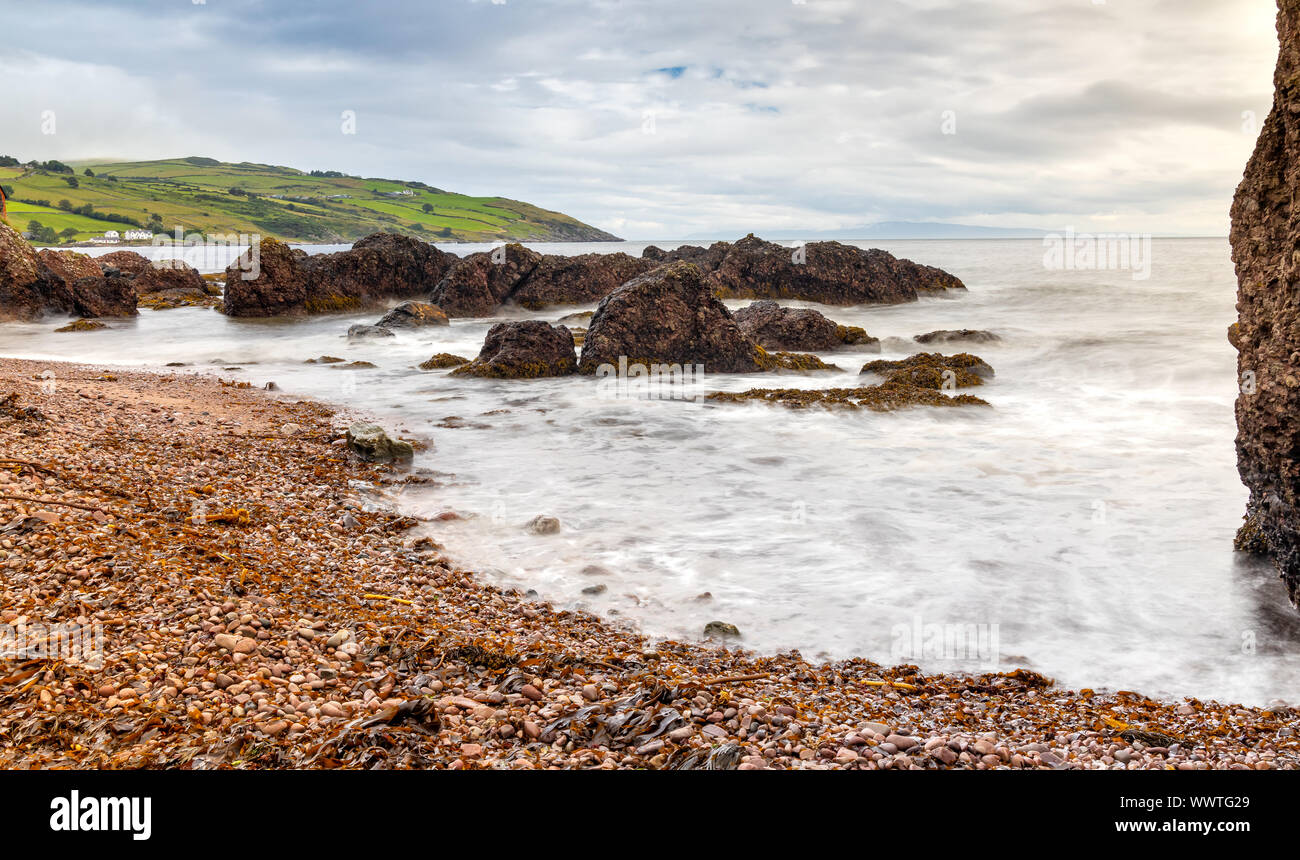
(442,361)
(414,315)
(523,350)
(288,281)
(886,397)
(1265,234)
(963,335)
(774,327)
(933,370)
(668,316)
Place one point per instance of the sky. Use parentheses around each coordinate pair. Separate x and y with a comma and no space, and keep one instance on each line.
(659,119)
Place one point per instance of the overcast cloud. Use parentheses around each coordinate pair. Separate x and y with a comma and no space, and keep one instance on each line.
(660,119)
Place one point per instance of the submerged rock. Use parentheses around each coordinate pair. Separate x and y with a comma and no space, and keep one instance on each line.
(289,281)
(774,327)
(933,370)
(81,325)
(889,396)
(668,315)
(964,335)
(542,525)
(443,360)
(1265,233)
(362,331)
(414,315)
(523,350)
(371,443)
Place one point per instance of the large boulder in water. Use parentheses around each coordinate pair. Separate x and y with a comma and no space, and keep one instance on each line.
(1265,234)
(668,316)
(774,327)
(32,285)
(111,294)
(479,284)
(288,281)
(526,349)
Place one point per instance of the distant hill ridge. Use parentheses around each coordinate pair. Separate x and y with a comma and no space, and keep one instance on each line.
(83,200)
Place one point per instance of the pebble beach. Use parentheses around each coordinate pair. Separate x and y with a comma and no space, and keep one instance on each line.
(263,604)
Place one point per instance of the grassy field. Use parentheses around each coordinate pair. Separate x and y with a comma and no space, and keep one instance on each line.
(211,197)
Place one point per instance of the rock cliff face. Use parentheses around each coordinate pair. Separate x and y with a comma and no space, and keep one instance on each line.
(1265,241)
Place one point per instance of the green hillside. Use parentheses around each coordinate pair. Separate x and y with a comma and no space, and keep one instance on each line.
(207,196)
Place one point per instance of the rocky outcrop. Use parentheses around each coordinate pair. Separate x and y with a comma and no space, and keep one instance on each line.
(825,272)
(172,284)
(414,315)
(1265,234)
(774,327)
(69,265)
(32,285)
(668,316)
(513,275)
(707,259)
(109,295)
(377,268)
(578,280)
(523,350)
(479,284)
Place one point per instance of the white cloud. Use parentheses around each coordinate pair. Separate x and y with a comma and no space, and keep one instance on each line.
(765,114)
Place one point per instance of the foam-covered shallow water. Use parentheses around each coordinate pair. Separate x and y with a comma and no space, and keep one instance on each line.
(1082,527)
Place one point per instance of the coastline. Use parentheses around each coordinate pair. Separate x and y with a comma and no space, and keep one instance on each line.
(348,640)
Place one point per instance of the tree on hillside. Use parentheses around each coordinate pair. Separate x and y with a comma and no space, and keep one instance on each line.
(65,204)
(427,209)
(42,234)
(8,161)
(88,172)
(68,234)
(72,181)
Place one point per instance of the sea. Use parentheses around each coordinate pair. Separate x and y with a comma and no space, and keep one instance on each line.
(1081,527)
